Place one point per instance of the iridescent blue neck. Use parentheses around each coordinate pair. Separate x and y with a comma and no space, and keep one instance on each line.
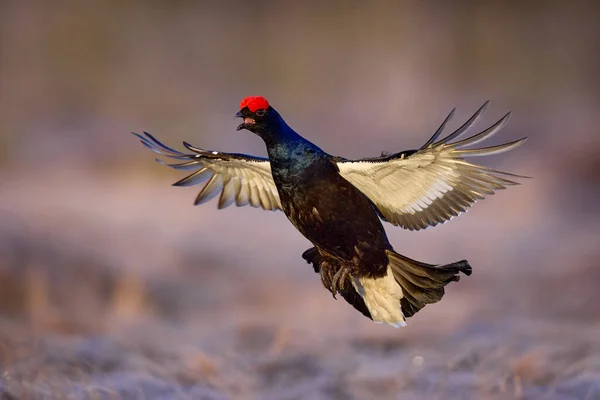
(286,147)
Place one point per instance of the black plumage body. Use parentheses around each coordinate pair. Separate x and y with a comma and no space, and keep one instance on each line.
(328,210)
(338,219)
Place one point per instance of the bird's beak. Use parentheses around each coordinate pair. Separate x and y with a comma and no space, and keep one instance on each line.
(247,121)
(239,115)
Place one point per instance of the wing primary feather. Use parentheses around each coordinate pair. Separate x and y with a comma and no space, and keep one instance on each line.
(465,126)
(145,141)
(439,130)
(212,188)
(463,198)
(194,148)
(195,178)
(446,211)
(488,180)
(488,170)
(241,199)
(149,145)
(227,195)
(173,156)
(454,204)
(162,145)
(164,152)
(253,197)
(487,151)
(474,184)
(154,149)
(488,133)
(183,166)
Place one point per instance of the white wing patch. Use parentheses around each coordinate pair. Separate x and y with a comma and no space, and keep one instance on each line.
(382,298)
(236,178)
(433,184)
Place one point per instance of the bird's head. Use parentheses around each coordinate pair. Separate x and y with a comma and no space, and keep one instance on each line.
(259,117)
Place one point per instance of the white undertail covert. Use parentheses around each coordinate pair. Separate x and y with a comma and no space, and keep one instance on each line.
(382,298)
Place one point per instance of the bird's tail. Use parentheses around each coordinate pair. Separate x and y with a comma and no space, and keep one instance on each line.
(423,283)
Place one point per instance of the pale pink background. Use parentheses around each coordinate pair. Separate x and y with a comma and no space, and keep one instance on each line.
(112,284)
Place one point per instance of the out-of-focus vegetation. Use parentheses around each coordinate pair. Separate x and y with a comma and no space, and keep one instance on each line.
(112,285)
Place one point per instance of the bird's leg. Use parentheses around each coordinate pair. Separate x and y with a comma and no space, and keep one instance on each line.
(337,282)
(325,270)
(334,282)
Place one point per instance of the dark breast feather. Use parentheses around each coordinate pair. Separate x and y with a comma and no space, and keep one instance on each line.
(336,217)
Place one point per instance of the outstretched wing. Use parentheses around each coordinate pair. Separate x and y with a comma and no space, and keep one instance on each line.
(237,178)
(421,188)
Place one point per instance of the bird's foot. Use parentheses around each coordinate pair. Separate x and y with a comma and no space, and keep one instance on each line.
(325,271)
(337,283)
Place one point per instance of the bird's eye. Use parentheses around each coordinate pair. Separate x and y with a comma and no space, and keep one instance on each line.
(260,112)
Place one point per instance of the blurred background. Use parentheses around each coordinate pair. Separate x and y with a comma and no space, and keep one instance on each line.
(113,285)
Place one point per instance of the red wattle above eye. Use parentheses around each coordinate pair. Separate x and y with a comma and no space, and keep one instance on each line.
(254,103)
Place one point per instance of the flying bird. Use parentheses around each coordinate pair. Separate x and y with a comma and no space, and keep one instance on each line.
(339,204)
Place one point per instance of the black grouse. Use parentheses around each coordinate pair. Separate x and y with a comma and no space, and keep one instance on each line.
(338,204)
